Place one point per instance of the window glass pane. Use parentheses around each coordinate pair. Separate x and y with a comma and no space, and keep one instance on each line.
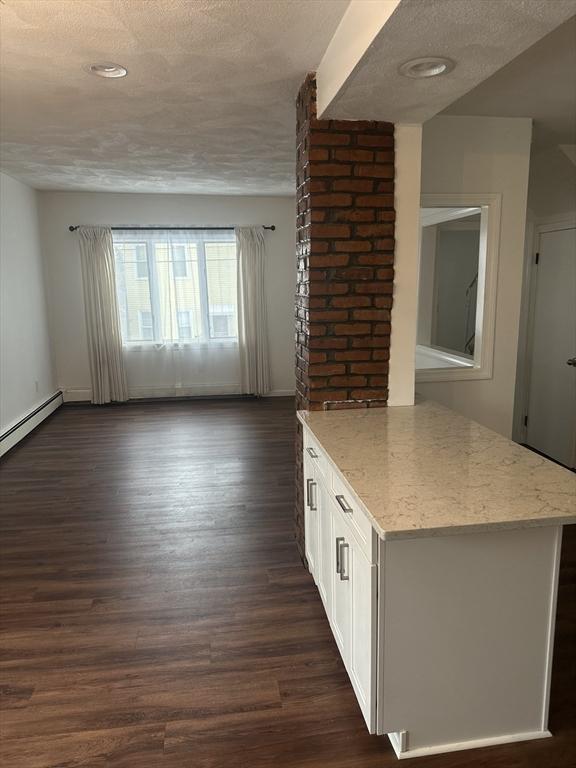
(456,287)
(448,287)
(221,285)
(220,325)
(146,326)
(141,262)
(180,259)
(133,288)
(176,286)
(181,294)
(184,325)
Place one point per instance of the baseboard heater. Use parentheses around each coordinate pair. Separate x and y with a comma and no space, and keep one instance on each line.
(14,434)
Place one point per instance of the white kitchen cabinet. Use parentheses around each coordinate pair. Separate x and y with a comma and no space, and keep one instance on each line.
(346,581)
(325,557)
(363,633)
(311,514)
(354,617)
(341,612)
(445,625)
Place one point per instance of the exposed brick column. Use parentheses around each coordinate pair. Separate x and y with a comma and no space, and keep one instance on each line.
(345,253)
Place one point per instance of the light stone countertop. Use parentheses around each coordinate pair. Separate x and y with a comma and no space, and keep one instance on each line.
(424,470)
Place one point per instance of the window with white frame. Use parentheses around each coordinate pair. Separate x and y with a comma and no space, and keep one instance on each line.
(177,285)
(459,247)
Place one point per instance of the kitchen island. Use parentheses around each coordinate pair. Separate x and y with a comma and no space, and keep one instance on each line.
(435,545)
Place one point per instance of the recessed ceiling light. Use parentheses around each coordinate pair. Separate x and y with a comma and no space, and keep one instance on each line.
(429,66)
(108,69)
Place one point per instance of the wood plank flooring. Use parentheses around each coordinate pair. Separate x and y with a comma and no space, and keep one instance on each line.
(155,613)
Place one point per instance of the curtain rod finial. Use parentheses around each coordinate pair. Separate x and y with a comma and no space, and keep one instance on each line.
(71,229)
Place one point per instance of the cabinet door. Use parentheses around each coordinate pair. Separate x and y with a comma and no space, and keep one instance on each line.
(363,632)
(341,586)
(354,614)
(311,515)
(325,557)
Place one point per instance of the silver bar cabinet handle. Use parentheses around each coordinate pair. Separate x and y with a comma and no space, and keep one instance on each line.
(339,541)
(344,504)
(343,575)
(312,453)
(309,485)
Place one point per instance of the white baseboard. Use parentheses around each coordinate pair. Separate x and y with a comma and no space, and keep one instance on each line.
(140,393)
(85,395)
(77,395)
(136,393)
(399,740)
(281,393)
(15,433)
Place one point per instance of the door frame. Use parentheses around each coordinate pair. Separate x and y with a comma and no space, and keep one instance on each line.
(556,225)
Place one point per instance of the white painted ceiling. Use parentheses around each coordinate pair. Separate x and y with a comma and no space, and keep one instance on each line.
(481,36)
(541,84)
(207,107)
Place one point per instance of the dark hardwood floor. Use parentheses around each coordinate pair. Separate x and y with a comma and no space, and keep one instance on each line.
(155,613)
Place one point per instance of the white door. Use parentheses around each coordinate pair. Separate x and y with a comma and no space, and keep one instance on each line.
(552,398)
(311,516)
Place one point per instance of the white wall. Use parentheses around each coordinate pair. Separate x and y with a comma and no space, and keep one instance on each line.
(551,200)
(485,155)
(26,378)
(408,143)
(428,236)
(552,186)
(58,210)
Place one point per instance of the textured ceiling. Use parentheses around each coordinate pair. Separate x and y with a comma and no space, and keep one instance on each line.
(481,36)
(540,83)
(207,107)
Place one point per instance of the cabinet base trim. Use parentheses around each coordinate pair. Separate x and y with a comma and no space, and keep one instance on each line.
(399,740)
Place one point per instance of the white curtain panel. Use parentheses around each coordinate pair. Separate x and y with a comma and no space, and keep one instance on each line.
(252,321)
(102,316)
(177,295)
(182,370)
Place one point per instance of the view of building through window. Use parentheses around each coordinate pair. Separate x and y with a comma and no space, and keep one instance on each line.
(176,285)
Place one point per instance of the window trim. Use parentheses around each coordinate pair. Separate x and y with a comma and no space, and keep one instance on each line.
(488,259)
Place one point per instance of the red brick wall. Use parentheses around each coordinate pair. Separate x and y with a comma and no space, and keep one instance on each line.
(345,253)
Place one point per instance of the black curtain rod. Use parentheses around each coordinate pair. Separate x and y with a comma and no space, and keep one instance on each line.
(160,229)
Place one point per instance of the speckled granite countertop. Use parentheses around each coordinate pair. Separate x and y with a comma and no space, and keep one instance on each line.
(424,470)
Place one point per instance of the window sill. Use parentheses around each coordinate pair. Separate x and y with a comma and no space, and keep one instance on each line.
(177,345)
(431,358)
(449,367)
